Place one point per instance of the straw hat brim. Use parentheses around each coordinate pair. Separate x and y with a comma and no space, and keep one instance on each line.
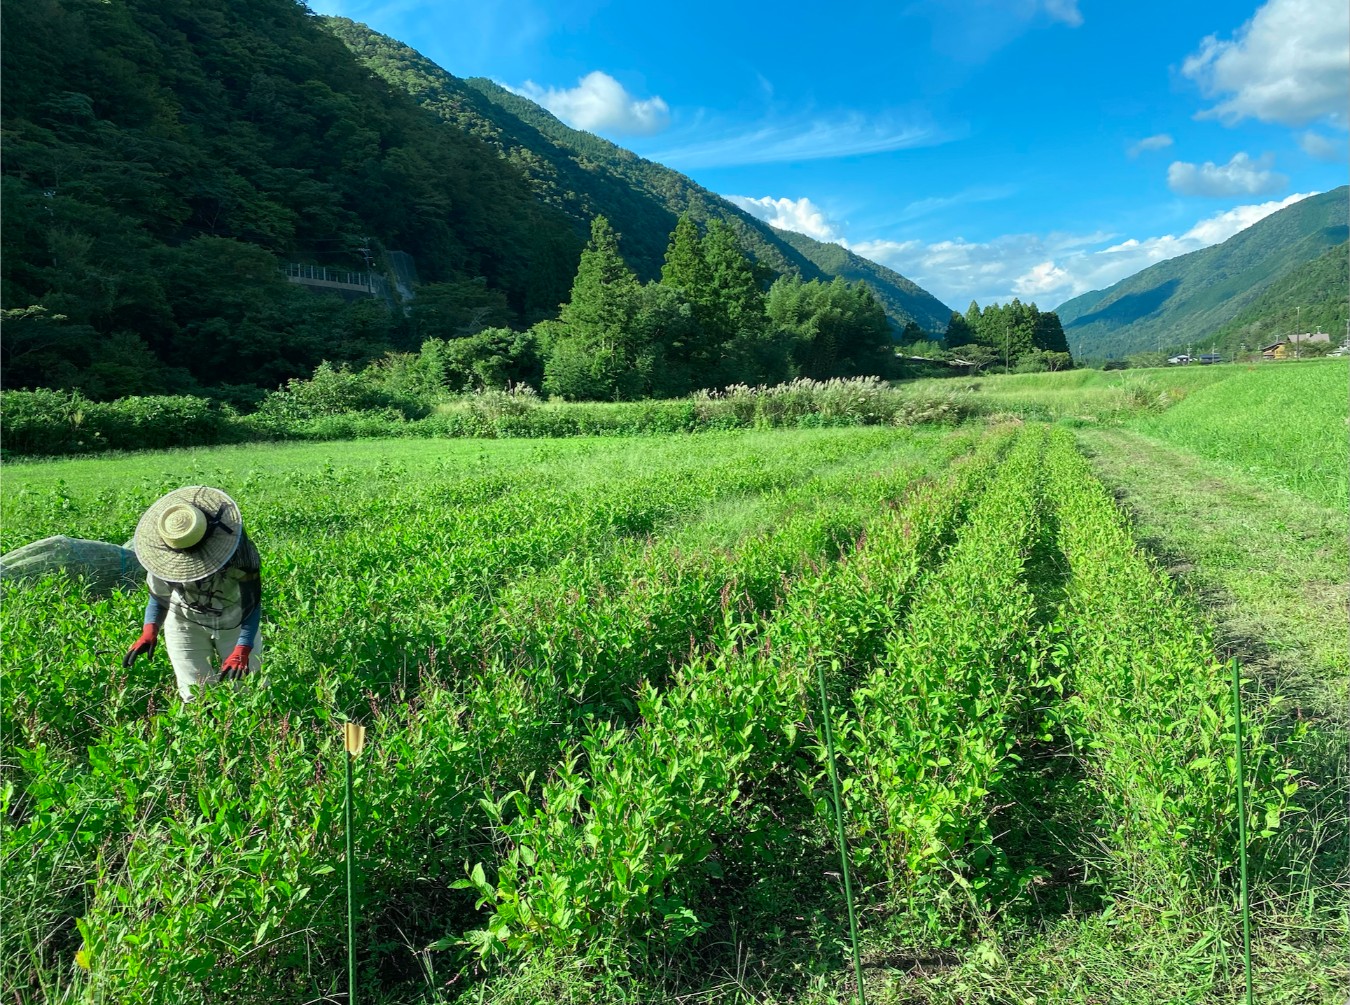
(205,558)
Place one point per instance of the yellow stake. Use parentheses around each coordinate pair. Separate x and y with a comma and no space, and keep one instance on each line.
(354,735)
(354,738)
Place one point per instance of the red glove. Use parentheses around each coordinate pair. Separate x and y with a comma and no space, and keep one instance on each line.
(145,644)
(236,664)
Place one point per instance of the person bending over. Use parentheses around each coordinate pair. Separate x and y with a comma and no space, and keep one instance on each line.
(204,576)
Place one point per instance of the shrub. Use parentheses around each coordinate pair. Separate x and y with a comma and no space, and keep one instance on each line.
(335,391)
(42,421)
(156,422)
(340,404)
(63,422)
(492,404)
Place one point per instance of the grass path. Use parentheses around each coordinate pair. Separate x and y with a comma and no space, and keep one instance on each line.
(1270,564)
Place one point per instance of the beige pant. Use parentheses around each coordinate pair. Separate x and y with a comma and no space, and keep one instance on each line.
(191,645)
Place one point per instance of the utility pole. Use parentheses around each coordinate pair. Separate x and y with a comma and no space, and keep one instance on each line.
(1007,342)
(1298,335)
(364,250)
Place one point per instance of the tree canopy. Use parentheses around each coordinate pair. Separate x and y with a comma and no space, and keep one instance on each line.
(164,159)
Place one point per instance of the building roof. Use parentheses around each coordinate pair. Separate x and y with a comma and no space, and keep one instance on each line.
(1297,338)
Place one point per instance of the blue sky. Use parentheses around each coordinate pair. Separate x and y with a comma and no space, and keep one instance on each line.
(984,148)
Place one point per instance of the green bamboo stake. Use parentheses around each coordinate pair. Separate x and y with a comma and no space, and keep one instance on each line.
(1242,834)
(843,843)
(354,738)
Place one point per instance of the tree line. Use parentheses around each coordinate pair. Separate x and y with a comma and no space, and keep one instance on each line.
(1015,336)
(707,322)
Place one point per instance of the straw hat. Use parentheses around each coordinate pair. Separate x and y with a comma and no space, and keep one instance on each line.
(189,534)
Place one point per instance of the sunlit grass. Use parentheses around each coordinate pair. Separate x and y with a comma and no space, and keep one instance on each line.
(1081,395)
(1283,424)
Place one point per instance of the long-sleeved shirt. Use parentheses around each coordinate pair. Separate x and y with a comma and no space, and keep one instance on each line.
(226,599)
(158,606)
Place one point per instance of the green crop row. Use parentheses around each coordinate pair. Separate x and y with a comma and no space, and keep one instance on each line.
(590,677)
(361,582)
(1151,710)
(622,847)
(204,841)
(936,726)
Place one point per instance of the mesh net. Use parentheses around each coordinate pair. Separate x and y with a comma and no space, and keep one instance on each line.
(104,566)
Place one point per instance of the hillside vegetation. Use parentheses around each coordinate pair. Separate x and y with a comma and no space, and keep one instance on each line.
(1313,297)
(584,176)
(163,160)
(1191,297)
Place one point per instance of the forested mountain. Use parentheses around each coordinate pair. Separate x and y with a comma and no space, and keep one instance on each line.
(164,160)
(585,176)
(1312,297)
(1192,297)
(164,157)
(902,298)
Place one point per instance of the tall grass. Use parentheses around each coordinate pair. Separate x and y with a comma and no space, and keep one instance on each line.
(1077,395)
(1281,423)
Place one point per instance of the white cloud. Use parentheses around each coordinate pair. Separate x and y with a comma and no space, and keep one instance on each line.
(1046,277)
(848,134)
(1322,148)
(599,103)
(1290,64)
(1159,142)
(800,215)
(1240,176)
(1049,268)
(1064,10)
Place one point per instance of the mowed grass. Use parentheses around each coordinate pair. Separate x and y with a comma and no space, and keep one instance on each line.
(1079,395)
(1269,564)
(1284,424)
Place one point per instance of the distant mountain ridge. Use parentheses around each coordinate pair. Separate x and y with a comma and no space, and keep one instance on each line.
(1192,297)
(1313,297)
(584,175)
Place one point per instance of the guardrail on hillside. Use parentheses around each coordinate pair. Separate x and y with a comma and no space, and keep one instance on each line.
(321,277)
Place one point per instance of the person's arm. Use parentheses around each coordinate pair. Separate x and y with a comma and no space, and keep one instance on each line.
(250,597)
(156,609)
(248,628)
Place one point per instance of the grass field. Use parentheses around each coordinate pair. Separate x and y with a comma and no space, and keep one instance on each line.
(1290,428)
(1079,395)
(595,767)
